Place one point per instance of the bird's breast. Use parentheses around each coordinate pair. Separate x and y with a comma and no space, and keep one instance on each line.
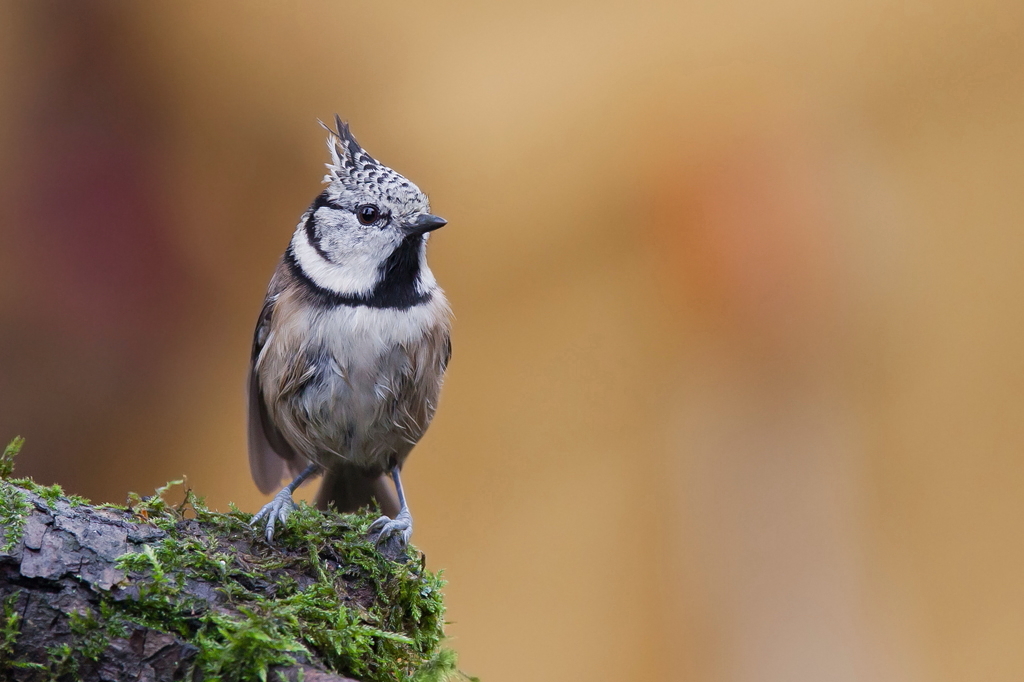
(354,381)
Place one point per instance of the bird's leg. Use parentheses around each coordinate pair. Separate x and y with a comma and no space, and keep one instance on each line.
(278,509)
(399,527)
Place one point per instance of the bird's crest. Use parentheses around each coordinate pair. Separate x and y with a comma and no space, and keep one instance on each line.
(347,155)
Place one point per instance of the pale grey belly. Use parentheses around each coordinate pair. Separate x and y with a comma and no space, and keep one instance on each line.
(367,413)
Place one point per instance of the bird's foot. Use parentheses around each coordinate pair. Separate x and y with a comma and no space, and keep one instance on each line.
(274,512)
(393,531)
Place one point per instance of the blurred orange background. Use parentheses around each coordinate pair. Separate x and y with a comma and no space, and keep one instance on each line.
(738,367)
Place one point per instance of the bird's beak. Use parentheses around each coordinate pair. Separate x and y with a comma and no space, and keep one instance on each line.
(422,224)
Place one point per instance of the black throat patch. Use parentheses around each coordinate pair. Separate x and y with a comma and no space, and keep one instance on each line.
(396,282)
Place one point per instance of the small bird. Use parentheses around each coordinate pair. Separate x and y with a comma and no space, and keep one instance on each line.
(351,346)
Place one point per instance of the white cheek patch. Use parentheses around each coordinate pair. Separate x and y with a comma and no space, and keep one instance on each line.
(356,275)
(344,260)
(347,260)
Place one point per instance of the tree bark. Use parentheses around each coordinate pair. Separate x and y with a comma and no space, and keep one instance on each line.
(63,572)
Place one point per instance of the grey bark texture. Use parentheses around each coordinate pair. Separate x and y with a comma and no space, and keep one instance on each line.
(62,567)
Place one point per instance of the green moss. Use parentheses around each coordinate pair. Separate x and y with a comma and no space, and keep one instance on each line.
(14,510)
(10,626)
(323,595)
(7,458)
(51,494)
(14,506)
(442,667)
(92,635)
(360,614)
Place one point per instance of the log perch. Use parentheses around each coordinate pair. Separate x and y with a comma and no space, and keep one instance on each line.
(153,592)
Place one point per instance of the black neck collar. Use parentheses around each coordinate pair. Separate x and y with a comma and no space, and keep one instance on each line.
(396,283)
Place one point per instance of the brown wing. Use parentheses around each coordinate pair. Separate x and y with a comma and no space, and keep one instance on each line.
(446,358)
(269,453)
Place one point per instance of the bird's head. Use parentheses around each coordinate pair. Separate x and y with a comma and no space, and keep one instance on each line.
(370,223)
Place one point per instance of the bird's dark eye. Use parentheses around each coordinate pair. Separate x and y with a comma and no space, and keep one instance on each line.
(368,214)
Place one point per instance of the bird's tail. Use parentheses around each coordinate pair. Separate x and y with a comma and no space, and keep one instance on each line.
(349,488)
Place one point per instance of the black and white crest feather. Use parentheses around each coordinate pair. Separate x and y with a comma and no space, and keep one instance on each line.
(354,169)
(347,155)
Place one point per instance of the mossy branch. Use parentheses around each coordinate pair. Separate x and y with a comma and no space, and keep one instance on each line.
(158,591)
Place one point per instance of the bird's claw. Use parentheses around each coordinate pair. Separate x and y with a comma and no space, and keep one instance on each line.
(398,528)
(274,512)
